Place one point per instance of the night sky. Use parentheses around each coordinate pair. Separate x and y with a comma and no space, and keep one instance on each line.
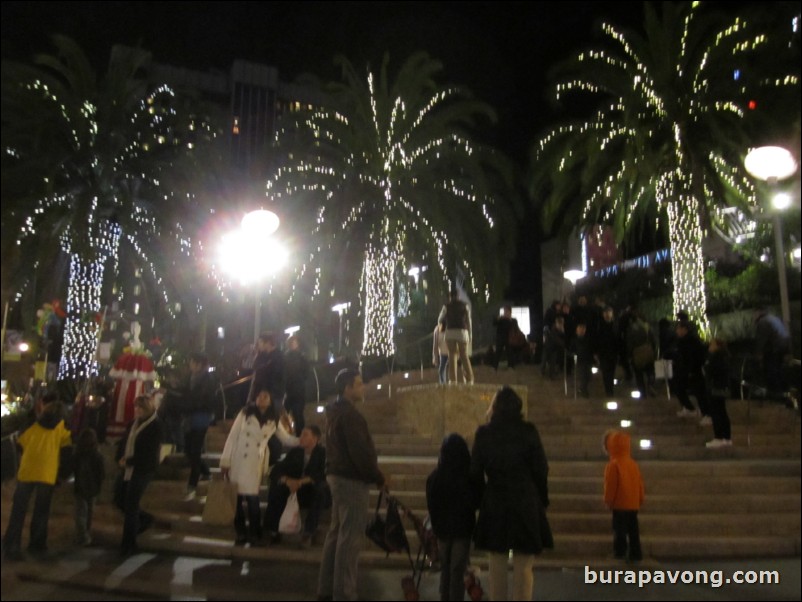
(501,51)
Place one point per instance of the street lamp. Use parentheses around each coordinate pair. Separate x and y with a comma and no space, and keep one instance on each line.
(771,164)
(250,253)
(341,308)
(574,276)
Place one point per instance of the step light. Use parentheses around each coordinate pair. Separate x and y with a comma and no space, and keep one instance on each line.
(635,394)
(612,405)
(645,444)
(625,424)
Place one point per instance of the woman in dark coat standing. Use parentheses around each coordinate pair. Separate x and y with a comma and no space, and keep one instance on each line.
(509,458)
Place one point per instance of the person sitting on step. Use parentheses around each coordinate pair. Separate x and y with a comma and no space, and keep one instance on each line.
(303,472)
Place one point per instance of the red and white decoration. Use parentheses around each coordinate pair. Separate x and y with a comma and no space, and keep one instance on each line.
(132,372)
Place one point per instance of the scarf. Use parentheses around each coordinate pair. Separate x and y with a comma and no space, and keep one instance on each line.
(139,425)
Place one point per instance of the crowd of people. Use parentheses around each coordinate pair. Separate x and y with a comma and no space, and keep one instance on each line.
(493,497)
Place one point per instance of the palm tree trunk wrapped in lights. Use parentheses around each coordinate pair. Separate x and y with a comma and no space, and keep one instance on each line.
(78,357)
(97,160)
(388,169)
(664,145)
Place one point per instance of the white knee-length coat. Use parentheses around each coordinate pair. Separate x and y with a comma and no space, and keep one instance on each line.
(246,454)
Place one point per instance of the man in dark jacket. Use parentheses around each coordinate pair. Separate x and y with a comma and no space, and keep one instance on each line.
(199,407)
(303,472)
(582,349)
(351,467)
(296,369)
(772,345)
(607,347)
(688,375)
(268,369)
(505,324)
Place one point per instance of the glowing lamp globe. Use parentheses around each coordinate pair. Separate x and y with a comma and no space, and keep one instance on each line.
(770,163)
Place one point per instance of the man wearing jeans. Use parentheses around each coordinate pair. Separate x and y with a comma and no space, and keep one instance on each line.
(351,467)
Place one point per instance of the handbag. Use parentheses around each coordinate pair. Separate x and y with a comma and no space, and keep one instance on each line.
(516,338)
(642,356)
(387,531)
(290,521)
(663,369)
(221,503)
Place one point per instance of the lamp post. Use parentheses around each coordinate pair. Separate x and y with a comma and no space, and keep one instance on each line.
(250,253)
(771,164)
(340,308)
(574,276)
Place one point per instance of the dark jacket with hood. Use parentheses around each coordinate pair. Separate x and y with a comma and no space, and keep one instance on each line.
(512,513)
(90,471)
(268,373)
(451,496)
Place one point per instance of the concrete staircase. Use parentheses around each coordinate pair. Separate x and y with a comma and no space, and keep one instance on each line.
(739,502)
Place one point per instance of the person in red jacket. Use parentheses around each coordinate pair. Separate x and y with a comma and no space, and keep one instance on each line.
(623,494)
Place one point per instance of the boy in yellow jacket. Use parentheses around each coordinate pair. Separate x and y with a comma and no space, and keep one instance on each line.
(623,494)
(41,445)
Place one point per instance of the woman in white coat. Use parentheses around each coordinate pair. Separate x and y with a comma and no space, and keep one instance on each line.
(246,457)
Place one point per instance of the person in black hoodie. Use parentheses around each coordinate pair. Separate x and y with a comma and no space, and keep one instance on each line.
(296,369)
(582,348)
(607,349)
(452,500)
(138,457)
(89,475)
(200,413)
(688,372)
(717,373)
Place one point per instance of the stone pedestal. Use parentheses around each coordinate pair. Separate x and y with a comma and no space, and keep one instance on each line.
(437,410)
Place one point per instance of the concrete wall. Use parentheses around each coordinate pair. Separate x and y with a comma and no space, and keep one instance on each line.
(436,410)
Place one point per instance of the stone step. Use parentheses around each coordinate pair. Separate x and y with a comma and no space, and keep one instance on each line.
(655,482)
(687,449)
(704,536)
(653,525)
(650,469)
(680,503)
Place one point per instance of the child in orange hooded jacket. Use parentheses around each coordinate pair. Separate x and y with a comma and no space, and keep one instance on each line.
(623,494)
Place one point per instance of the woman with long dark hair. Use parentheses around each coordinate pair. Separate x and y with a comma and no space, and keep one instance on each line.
(508,458)
(452,498)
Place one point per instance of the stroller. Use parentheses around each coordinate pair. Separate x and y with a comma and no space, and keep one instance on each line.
(388,533)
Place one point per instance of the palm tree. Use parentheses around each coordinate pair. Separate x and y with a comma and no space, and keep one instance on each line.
(665,144)
(386,175)
(94,162)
